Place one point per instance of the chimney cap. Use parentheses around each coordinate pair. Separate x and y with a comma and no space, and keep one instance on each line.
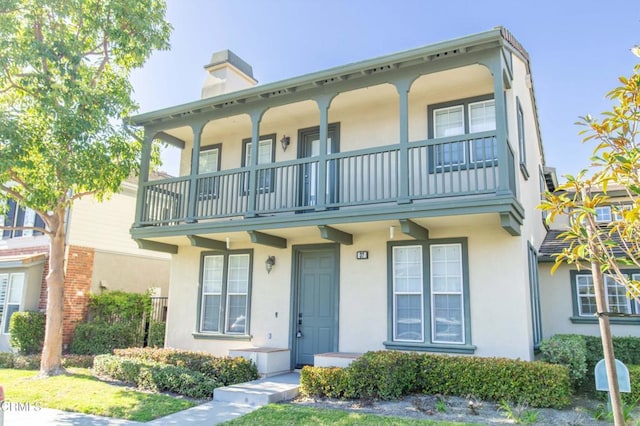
(227,56)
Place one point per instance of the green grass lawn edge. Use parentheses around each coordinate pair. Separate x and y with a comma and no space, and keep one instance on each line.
(287,414)
(79,391)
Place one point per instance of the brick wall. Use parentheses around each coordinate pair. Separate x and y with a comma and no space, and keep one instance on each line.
(79,270)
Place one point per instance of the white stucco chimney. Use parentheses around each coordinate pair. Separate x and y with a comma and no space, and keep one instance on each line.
(226,73)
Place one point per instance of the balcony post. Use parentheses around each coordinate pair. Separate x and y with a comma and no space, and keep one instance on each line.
(496,67)
(256,117)
(323,105)
(403,86)
(193,181)
(143,178)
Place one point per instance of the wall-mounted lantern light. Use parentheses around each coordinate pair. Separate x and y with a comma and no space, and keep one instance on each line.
(271,260)
(285,141)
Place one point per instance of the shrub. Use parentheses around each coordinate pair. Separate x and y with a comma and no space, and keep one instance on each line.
(626,349)
(27,331)
(569,350)
(634,396)
(383,375)
(6,359)
(226,370)
(118,306)
(154,376)
(156,334)
(94,338)
(390,374)
(78,361)
(26,362)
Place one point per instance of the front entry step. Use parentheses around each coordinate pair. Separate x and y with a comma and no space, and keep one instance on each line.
(262,391)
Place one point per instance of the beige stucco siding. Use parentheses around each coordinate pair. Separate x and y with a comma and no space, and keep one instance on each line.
(500,319)
(127,272)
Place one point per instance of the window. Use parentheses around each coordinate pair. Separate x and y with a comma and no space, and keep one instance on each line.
(225,293)
(521,140)
(209,162)
(603,214)
(616,296)
(534,289)
(266,155)
(17,216)
(428,290)
(11,287)
(459,118)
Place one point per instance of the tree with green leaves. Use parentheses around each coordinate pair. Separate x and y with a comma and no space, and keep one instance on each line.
(64,92)
(612,181)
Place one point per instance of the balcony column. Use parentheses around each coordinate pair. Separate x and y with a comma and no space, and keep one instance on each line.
(496,67)
(324,102)
(256,118)
(403,86)
(143,178)
(193,181)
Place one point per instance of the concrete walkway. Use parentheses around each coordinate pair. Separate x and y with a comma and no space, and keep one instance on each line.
(258,393)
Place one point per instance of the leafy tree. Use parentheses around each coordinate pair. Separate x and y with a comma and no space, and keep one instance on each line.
(64,91)
(614,182)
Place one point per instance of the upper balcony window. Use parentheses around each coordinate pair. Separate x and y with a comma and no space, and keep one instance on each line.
(19,217)
(209,159)
(266,155)
(603,214)
(460,118)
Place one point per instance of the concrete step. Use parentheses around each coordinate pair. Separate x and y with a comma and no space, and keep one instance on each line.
(261,392)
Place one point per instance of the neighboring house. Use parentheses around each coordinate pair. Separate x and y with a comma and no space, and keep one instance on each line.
(100,256)
(574,305)
(384,204)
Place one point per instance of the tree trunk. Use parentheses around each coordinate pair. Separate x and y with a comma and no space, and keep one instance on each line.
(51,361)
(605,327)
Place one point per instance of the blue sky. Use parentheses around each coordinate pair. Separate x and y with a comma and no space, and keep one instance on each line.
(578,49)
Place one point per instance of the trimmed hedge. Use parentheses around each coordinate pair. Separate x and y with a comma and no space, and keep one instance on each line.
(32,362)
(392,374)
(94,338)
(225,370)
(626,349)
(634,396)
(27,331)
(153,376)
(569,350)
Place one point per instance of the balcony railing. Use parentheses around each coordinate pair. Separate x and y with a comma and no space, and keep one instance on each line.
(436,168)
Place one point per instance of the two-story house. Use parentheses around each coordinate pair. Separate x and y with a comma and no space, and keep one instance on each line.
(100,256)
(388,203)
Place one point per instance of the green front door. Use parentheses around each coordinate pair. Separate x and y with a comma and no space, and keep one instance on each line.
(316,302)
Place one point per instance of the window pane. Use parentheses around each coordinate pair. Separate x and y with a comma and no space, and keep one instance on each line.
(15,288)
(208,161)
(485,149)
(447,318)
(482,116)
(236,314)
(29,220)
(238,275)
(448,121)
(586,295)
(617,297)
(4,286)
(211,313)
(407,269)
(212,274)
(448,154)
(603,214)
(10,310)
(408,317)
(446,268)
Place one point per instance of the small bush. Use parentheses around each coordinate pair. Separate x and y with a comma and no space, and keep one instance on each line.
(26,362)
(6,359)
(390,374)
(154,376)
(634,396)
(93,338)
(226,370)
(569,350)
(156,334)
(118,306)
(626,349)
(27,331)
(78,361)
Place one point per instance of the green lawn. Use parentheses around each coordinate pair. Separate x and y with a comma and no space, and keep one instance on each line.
(286,414)
(79,391)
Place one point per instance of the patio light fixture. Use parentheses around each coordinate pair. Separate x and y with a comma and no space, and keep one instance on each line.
(285,141)
(271,260)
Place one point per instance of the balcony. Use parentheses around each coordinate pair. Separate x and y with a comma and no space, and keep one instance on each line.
(461,167)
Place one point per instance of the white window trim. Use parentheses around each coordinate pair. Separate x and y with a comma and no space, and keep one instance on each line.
(608,280)
(8,280)
(601,219)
